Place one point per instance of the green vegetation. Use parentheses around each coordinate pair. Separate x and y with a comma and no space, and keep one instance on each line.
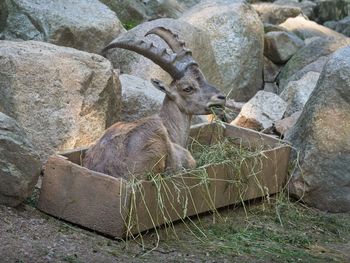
(130,24)
(281,231)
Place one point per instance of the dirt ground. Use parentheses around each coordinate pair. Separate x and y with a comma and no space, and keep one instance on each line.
(262,232)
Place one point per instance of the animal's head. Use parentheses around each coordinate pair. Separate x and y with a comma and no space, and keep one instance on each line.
(189,88)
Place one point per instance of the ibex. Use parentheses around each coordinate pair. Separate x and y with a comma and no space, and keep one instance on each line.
(157,143)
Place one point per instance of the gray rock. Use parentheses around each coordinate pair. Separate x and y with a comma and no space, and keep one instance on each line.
(320,10)
(271,70)
(132,12)
(284,125)
(326,10)
(140,98)
(281,46)
(298,92)
(236,36)
(261,111)
(197,40)
(275,14)
(19,163)
(305,28)
(62,97)
(310,58)
(343,26)
(322,136)
(270,28)
(331,24)
(83,24)
(311,39)
(271,87)
(306,6)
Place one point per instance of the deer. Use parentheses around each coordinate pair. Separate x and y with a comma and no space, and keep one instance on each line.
(157,144)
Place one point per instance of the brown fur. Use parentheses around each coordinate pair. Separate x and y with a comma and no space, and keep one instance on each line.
(133,149)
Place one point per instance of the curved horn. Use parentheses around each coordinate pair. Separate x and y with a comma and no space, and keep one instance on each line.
(170,38)
(173,41)
(159,56)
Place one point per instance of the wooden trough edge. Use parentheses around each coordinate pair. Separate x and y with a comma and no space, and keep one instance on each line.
(119,208)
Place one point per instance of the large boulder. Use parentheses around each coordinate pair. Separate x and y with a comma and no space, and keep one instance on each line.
(261,111)
(276,14)
(297,92)
(62,97)
(236,35)
(304,28)
(83,24)
(311,57)
(197,40)
(322,136)
(281,46)
(19,163)
(140,98)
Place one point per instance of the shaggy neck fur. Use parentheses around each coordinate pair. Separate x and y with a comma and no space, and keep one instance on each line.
(177,122)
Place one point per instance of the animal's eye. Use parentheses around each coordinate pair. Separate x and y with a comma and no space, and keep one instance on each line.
(188,89)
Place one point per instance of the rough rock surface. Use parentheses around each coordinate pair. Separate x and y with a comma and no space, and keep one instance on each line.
(271,87)
(62,97)
(305,28)
(261,111)
(322,135)
(326,10)
(342,26)
(19,163)
(298,92)
(305,5)
(140,98)
(236,36)
(280,46)
(310,58)
(271,70)
(284,125)
(133,12)
(270,28)
(197,40)
(276,14)
(83,24)
(319,10)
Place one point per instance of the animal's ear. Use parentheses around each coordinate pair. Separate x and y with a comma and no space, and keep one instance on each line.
(160,85)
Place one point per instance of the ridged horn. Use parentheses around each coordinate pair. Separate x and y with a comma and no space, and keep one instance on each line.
(159,56)
(173,41)
(169,37)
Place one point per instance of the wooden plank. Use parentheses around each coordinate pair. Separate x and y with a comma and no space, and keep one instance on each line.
(252,139)
(185,195)
(84,197)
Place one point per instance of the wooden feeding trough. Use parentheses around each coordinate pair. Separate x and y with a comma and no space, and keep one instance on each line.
(120,208)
